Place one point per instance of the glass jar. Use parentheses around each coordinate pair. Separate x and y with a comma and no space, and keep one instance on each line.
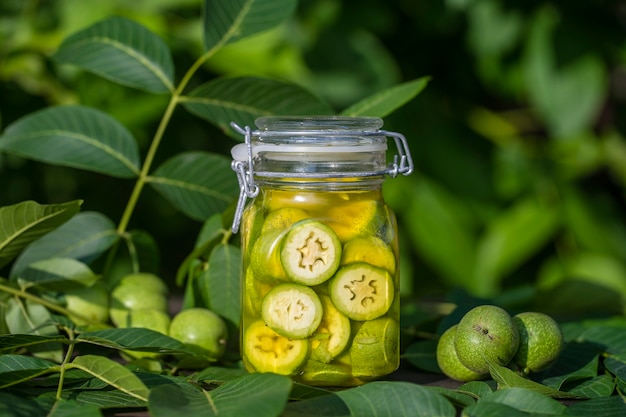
(320,249)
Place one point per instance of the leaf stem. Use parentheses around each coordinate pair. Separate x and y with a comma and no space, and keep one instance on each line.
(158,136)
(49,305)
(66,360)
(228,233)
(147,164)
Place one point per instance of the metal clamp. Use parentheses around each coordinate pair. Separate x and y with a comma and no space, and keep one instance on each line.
(245,177)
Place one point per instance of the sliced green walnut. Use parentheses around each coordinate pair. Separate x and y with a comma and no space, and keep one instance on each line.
(282,219)
(251,223)
(265,257)
(267,351)
(369,249)
(362,291)
(310,253)
(332,335)
(353,218)
(255,290)
(375,349)
(326,375)
(292,310)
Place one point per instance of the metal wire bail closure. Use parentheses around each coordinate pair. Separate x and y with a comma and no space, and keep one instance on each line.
(402,163)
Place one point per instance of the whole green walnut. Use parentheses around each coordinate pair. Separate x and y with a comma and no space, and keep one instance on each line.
(150,282)
(486,334)
(90,304)
(449,362)
(541,341)
(137,292)
(201,330)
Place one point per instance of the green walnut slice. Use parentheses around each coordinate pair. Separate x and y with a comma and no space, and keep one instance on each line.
(255,291)
(375,349)
(311,252)
(251,223)
(352,218)
(267,351)
(332,335)
(283,218)
(326,375)
(292,310)
(265,257)
(369,249)
(362,291)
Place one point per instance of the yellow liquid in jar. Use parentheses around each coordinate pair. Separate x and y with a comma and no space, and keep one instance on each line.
(352,317)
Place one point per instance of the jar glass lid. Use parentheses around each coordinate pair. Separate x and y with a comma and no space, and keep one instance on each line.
(313,134)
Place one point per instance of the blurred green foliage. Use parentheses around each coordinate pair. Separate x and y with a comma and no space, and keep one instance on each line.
(518,139)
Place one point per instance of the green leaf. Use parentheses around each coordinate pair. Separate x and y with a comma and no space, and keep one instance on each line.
(578,361)
(132,339)
(246,395)
(568,98)
(611,338)
(493,31)
(256,389)
(613,406)
(180,399)
(301,391)
(595,222)
(18,406)
(12,341)
(395,399)
(582,282)
(385,102)
(29,317)
(74,136)
(597,387)
(85,237)
(74,378)
(614,154)
(327,405)
(94,392)
(153,379)
(22,223)
(122,51)
(102,398)
(221,282)
(494,409)
(26,317)
(143,251)
(526,400)
(457,398)
(226,21)
(243,99)
(616,364)
(58,274)
(219,375)
(578,90)
(510,240)
(211,229)
(198,184)
(194,261)
(71,408)
(211,234)
(477,389)
(442,231)
(506,378)
(113,374)
(15,369)
(421,354)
